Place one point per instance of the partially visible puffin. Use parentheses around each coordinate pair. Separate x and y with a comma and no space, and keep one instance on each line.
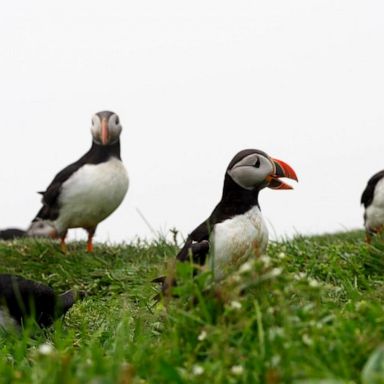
(12,233)
(373,201)
(21,299)
(88,190)
(236,230)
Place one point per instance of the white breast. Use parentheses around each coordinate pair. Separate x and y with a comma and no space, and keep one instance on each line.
(6,321)
(237,239)
(375,212)
(91,194)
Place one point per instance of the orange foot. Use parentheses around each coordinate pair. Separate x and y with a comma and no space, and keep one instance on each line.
(89,246)
(91,232)
(63,246)
(372,232)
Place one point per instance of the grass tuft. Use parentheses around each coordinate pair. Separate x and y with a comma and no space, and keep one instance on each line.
(308,312)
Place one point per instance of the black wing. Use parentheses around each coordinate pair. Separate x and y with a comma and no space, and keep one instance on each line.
(96,155)
(196,245)
(50,208)
(369,191)
(194,250)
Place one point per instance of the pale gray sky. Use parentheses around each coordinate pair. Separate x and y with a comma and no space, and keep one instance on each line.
(193,83)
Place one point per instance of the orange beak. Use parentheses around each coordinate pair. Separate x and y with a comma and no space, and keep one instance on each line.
(282,170)
(104,131)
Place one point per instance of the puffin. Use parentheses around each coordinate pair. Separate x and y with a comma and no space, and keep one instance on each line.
(87,191)
(12,233)
(22,299)
(235,230)
(373,201)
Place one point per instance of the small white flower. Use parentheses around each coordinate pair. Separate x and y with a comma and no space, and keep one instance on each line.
(46,349)
(235,278)
(266,260)
(309,308)
(237,370)
(299,276)
(276,272)
(202,336)
(313,283)
(246,267)
(235,304)
(275,361)
(197,370)
(361,305)
(271,310)
(281,255)
(275,332)
(307,340)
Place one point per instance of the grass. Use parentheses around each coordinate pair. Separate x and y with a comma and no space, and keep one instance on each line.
(310,312)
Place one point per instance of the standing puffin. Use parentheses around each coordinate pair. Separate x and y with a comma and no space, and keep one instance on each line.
(88,190)
(21,299)
(235,230)
(373,201)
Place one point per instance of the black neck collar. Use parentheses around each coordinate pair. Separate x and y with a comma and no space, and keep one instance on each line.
(101,153)
(236,199)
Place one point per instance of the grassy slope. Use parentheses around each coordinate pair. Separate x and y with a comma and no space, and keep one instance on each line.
(312,309)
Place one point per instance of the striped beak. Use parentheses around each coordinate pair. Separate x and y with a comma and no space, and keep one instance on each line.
(282,169)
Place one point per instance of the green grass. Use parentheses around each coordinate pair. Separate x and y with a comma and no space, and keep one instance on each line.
(310,312)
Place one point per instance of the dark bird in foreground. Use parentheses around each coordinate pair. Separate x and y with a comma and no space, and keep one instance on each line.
(22,299)
(87,191)
(373,201)
(12,233)
(235,230)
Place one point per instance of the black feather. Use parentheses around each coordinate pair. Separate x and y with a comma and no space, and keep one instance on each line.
(369,191)
(26,298)
(96,155)
(12,233)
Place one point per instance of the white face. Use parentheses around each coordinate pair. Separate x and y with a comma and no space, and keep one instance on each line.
(252,171)
(106,129)
(41,228)
(7,322)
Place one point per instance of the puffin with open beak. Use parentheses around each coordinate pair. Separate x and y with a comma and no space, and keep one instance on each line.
(373,201)
(87,191)
(235,230)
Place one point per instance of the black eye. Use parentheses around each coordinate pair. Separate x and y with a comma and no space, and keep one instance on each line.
(257,164)
(117,121)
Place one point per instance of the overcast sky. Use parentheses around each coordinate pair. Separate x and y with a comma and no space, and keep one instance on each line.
(193,83)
